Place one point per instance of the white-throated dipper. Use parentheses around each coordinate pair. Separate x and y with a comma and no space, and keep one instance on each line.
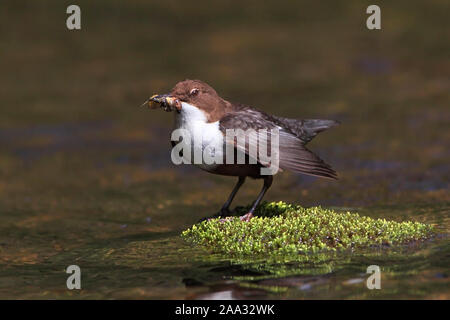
(208,118)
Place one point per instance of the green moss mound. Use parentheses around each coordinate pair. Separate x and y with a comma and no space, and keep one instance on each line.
(284,229)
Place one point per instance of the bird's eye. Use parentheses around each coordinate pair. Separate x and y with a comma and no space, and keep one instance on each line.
(193,92)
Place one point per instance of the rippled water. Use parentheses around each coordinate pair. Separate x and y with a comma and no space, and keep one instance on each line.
(116,209)
(86,178)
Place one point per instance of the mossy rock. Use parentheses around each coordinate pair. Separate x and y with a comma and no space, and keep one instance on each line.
(285,229)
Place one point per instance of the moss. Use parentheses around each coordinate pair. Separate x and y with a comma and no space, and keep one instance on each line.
(279,228)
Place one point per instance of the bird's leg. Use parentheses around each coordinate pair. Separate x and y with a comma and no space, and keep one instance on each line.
(226,207)
(267,183)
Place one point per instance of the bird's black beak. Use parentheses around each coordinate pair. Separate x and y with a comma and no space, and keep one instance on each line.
(165,101)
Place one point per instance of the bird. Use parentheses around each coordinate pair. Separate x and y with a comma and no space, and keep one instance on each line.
(200,111)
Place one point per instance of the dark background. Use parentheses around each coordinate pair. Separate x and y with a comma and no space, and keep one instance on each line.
(82,166)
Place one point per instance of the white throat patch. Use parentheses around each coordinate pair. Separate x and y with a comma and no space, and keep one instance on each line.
(203,134)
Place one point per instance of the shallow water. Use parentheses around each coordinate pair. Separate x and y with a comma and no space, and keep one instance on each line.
(117,212)
(86,177)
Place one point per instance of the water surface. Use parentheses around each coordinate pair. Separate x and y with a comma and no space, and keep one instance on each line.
(86,177)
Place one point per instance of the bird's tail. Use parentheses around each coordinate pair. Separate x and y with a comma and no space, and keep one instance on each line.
(315,126)
(307,129)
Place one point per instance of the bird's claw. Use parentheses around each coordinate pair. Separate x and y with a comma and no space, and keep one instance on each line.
(246,217)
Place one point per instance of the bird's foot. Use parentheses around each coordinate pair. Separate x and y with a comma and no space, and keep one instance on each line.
(223,214)
(246,217)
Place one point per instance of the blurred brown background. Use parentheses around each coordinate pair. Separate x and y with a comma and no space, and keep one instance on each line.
(80,161)
(64,91)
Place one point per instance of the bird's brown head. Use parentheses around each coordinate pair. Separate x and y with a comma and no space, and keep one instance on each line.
(193,92)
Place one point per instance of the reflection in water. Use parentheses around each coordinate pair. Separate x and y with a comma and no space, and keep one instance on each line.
(86,178)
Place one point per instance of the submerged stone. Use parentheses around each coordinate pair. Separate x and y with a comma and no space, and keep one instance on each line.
(284,229)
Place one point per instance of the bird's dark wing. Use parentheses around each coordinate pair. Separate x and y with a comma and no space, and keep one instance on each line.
(293,155)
